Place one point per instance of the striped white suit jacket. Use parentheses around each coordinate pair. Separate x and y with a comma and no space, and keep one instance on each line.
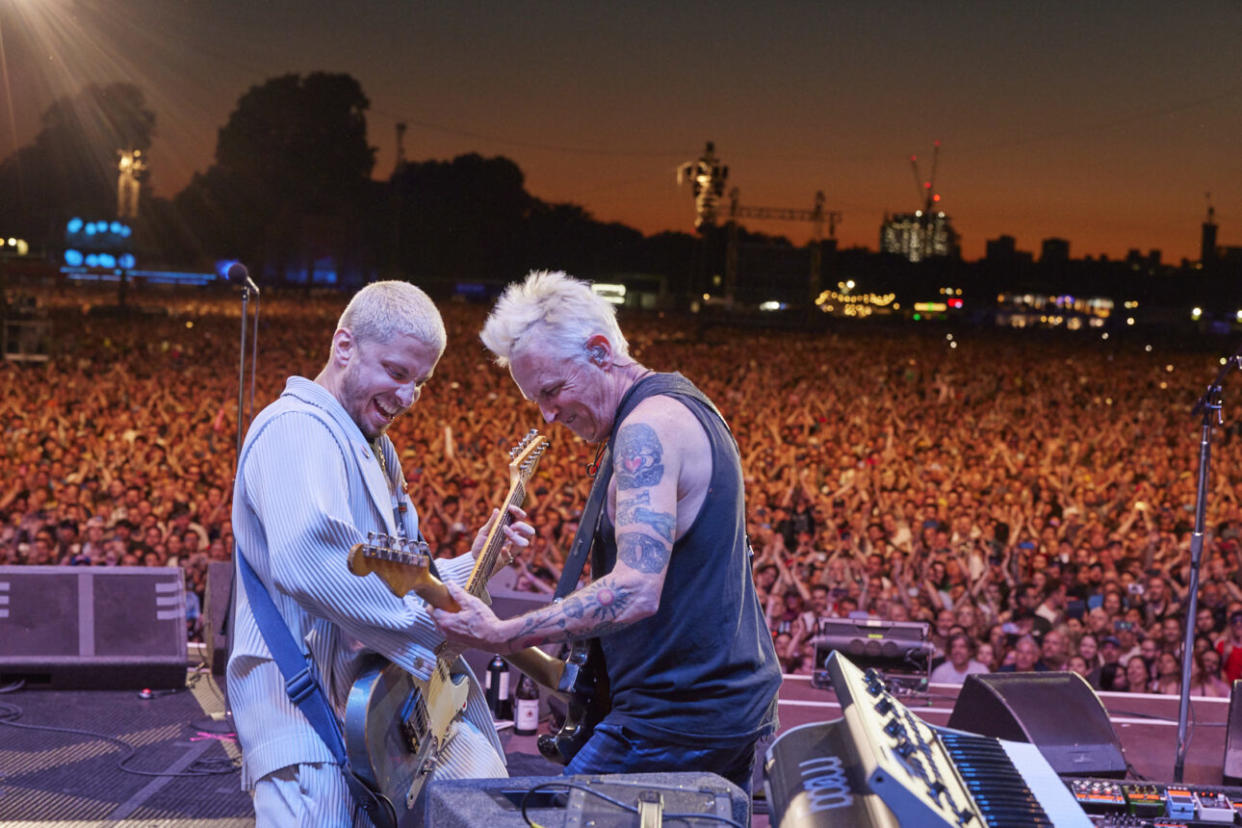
(308,488)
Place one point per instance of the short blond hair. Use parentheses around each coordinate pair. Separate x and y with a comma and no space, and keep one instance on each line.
(384,310)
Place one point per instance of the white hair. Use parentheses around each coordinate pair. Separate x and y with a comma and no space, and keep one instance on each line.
(382,311)
(563,309)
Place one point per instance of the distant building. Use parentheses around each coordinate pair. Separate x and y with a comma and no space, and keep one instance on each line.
(1054,251)
(917,236)
(1001,249)
(1149,263)
(1230,255)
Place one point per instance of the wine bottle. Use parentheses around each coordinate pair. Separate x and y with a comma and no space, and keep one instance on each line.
(497,686)
(526,707)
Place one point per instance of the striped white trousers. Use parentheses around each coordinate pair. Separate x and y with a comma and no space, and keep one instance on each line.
(315,795)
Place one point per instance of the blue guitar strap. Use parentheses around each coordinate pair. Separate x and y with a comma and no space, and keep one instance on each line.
(306,693)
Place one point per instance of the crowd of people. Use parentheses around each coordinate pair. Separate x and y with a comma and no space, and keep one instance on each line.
(1030,496)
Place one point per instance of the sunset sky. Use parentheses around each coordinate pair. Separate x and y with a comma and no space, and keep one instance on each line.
(1106,123)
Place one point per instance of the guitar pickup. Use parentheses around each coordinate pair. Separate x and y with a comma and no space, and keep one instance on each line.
(413,721)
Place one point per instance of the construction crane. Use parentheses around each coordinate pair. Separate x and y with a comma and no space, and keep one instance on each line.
(816,215)
(708,177)
(928,196)
(927,188)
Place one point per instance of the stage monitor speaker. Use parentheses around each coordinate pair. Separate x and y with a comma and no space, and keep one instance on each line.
(1233,738)
(497,803)
(1058,712)
(217,631)
(92,627)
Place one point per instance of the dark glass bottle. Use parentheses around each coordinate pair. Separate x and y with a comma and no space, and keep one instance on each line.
(497,686)
(526,707)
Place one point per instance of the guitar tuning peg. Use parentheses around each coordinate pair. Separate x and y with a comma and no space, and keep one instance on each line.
(530,435)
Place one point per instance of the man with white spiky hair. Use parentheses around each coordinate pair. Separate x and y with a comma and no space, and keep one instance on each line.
(691,666)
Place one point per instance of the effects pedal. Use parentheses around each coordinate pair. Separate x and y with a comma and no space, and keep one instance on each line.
(1213,807)
(1181,802)
(1144,800)
(1098,795)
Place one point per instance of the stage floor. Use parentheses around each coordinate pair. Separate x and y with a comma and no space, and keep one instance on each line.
(58,769)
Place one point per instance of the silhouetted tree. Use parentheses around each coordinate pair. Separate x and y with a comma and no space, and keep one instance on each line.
(292,160)
(464,218)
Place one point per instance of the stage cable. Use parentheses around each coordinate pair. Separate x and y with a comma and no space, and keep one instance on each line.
(621,806)
(9,713)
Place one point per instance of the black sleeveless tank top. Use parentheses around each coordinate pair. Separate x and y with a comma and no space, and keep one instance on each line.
(702,669)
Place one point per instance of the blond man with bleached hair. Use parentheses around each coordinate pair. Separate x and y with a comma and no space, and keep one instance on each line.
(318,475)
(382,310)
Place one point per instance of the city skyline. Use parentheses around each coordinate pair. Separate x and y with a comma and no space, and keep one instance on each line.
(1105,126)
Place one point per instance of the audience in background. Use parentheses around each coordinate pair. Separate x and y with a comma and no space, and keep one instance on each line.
(1028,495)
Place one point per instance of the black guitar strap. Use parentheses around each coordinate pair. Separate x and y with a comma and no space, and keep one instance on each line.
(588,527)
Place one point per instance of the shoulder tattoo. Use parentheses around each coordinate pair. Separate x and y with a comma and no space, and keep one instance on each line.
(639,459)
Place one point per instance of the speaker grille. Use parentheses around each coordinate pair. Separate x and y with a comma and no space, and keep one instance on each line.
(93,627)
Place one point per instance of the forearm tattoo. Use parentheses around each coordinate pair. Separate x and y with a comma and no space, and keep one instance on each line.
(638,551)
(604,603)
(639,457)
(633,510)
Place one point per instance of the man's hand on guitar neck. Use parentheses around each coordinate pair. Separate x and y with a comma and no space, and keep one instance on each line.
(517,533)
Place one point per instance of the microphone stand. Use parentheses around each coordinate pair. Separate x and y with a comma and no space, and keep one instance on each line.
(245,411)
(1209,406)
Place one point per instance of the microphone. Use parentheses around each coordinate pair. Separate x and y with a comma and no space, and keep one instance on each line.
(238,275)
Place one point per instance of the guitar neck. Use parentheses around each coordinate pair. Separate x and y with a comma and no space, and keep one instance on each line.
(486,562)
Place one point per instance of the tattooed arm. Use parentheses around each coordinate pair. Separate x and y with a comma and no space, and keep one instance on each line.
(647,464)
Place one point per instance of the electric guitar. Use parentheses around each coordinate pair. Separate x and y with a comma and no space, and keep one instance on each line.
(585,685)
(396,724)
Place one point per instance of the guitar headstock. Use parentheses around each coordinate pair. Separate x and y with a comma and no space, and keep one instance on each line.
(402,563)
(526,456)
